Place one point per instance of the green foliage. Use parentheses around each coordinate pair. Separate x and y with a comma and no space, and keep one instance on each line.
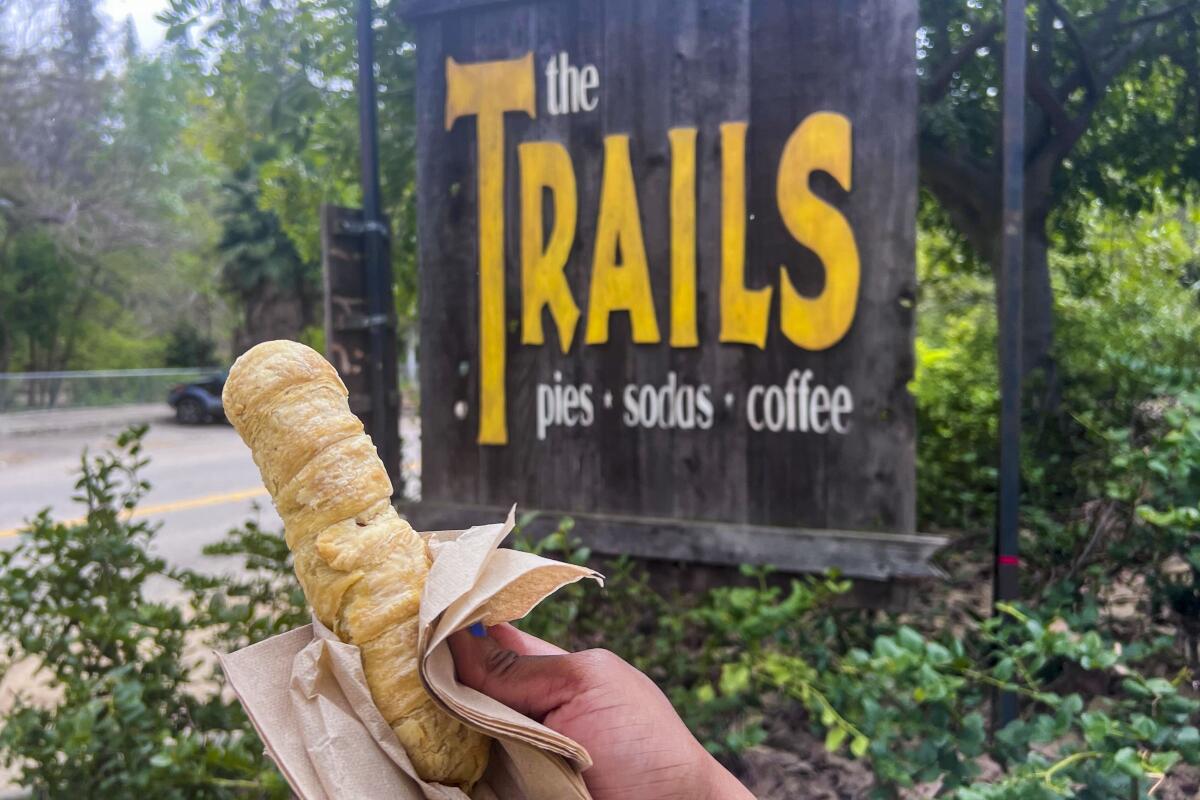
(1124,74)
(922,704)
(261,271)
(1153,491)
(35,282)
(122,718)
(97,190)
(914,707)
(188,347)
(1127,332)
(691,650)
(264,600)
(280,104)
(741,662)
(1126,306)
(956,390)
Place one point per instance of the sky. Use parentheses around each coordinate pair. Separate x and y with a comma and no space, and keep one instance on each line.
(150,33)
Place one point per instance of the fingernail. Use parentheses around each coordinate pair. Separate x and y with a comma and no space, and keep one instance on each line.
(478,631)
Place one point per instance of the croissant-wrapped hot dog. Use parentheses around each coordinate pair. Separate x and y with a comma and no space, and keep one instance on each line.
(361,566)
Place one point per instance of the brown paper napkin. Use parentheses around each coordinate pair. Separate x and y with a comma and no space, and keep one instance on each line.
(307,697)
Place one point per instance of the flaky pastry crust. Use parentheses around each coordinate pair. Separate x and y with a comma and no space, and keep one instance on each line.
(361,566)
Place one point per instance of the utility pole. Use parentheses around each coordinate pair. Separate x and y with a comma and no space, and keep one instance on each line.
(380,305)
(1006,585)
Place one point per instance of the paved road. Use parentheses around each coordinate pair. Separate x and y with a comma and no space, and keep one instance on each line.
(203,482)
(202,479)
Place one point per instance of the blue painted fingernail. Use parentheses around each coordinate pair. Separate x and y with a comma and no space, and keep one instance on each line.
(477,630)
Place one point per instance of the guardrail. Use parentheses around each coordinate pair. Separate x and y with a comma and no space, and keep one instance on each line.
(31,391)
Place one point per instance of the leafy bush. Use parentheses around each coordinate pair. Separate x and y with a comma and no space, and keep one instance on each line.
(1126,327)
(915,707)
(683,644)
(745,664)
(187,347)
(124,718)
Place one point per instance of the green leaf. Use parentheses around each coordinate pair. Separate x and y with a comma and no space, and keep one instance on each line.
(1187,737)
(910,640)
(859,745)
(735,679)
(1126,759)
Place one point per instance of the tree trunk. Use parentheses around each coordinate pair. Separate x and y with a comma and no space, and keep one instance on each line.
(1037,302)
(970,196)
(1037,295)
(270,312)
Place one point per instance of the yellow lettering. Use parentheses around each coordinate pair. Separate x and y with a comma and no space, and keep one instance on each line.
(683,237)
(743,311)
(821,142)
(487,90)
(624,286)
(547,165)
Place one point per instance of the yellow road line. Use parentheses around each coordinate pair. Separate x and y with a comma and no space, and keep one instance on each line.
(176,505)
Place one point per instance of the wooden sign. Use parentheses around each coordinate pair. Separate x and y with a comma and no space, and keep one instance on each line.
(667,274)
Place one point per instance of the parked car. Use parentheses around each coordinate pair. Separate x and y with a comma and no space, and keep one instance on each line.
(199,402)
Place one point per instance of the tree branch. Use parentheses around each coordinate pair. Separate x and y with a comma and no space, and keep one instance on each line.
(1158,16)
(1067,134)
(1111,23)
(1121,57)
(968,192)
(1085,61)
(1042,58)
(939,83)
(1043,94)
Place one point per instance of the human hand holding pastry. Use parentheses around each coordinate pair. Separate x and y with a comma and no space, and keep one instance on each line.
(640,748)
(363,570)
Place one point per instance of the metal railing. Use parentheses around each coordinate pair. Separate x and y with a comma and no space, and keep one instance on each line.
(31,391)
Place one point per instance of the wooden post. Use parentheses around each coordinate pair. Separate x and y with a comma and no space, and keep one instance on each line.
(348,331)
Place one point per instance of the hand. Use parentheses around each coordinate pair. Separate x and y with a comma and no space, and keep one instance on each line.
(640,748)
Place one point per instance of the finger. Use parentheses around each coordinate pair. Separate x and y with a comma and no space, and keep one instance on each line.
(534,685)
(523,643)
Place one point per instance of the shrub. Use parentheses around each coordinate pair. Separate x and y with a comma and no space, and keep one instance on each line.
(915,707)
(1126,326)
(188,347)
(124,719)
(744,664)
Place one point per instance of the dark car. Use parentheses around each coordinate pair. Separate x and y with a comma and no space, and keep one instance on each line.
(199,402)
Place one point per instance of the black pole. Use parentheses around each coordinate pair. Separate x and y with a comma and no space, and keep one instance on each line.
(1006,586)
(379,283)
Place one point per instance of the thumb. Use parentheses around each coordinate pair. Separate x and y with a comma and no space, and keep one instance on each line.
(532,685)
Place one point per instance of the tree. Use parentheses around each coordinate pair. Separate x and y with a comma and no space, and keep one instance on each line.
(283,101)
(261,103)
(275,289)
(52,191)
(1113,112)
(95,186)
(188,347)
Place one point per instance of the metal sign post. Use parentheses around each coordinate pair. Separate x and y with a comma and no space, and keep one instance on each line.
(379,305)
(1007,571)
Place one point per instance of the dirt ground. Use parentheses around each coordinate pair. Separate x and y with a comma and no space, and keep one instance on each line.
(812,773)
